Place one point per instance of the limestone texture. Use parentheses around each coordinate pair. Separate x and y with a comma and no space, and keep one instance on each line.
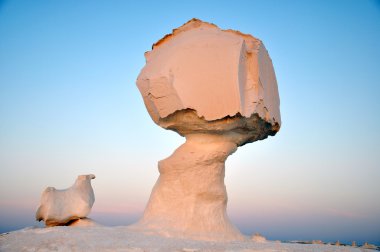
(218,89)
(62,207)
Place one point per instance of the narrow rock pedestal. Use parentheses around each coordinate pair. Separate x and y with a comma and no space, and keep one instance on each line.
(190,198)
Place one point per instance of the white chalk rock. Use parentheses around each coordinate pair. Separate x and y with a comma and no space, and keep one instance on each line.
(215,72)
(189,199)
(218,89)
(59,207)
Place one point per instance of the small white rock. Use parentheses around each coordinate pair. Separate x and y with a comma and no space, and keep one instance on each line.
(59,207)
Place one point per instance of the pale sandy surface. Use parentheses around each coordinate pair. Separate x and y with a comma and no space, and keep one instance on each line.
(123,239)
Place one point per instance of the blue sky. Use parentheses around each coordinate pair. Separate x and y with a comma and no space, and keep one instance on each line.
(69,105)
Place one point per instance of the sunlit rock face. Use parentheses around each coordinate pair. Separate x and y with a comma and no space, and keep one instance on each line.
(218,89)
(61,207)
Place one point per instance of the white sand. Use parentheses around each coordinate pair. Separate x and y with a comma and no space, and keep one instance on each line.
(123,239)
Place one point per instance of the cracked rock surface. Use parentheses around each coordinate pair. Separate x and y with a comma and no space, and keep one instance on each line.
(215,72)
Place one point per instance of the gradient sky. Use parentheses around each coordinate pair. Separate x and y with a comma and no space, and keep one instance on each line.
(69,105)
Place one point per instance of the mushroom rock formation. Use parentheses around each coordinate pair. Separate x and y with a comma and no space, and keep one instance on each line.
(62,207)
(218,89)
